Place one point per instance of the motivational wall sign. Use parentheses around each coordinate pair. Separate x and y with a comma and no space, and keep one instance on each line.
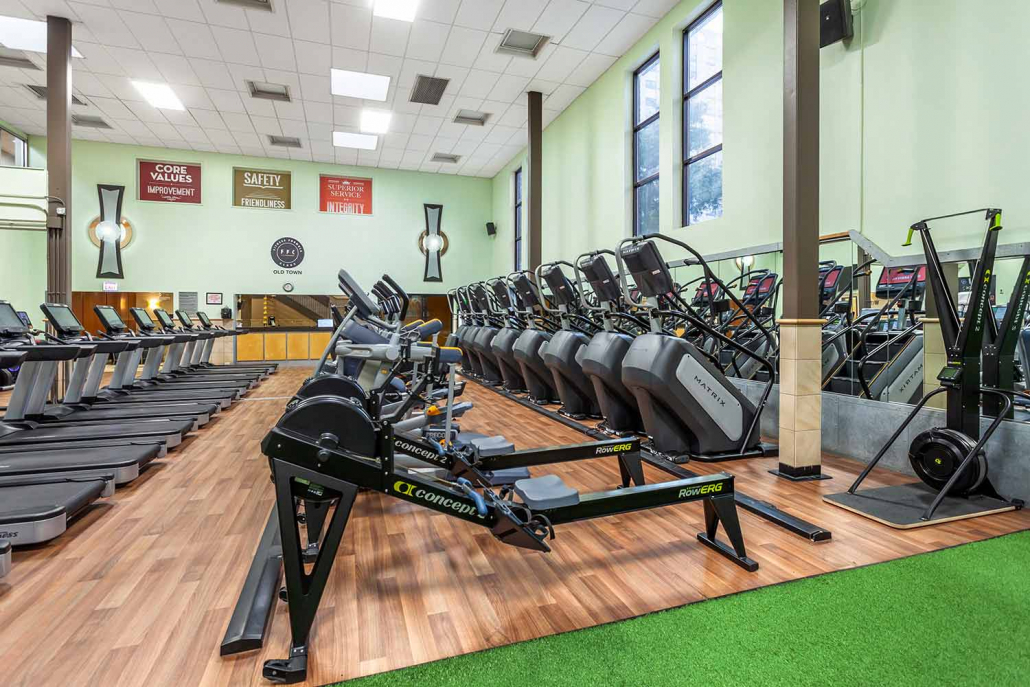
(168,182)
(344,195)
(261,188)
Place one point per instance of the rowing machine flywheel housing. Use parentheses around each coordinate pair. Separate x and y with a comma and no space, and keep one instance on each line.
(936,454)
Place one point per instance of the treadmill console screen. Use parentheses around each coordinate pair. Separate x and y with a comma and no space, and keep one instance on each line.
(143,319)
(110,318)
(24,317)
(164,318)
(10,323)
(62,318)
(204,319)
(184,317)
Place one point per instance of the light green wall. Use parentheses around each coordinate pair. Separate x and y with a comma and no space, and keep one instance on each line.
(22,276)
(216,247)
(922,113)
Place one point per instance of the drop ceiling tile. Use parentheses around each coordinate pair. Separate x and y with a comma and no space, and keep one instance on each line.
(291,110)
(113,108)
(385,65)
(316,88)
(315,112)
(478,14)
(117,86)
(208,119)
(179,117)
(146,113)
(395,141)
(519,14)
(351,26)
(237,122)
(561,63)
(99,60)
(151,32)
(345,115)
(368,158)
(220,137)
(508,88)
(427,126)
(213,74)
(242,73)
(182,9)
(275,52)
(274,23)
(442,11)
(590,69)
(559,17)
(350,59)
(258,106)
(225,100)
(402,104)
(529,66)
(313,58)
(455,76)
(517,116)
(562,97)
(489,59)
(427,40)
(236,46)
(132,127)
(654,8)
(500,134)
(247,140)
(478,84)
(594,25)
(346,156)
(413,68)
(176,69)
(192,134)
(136,63)
(196,40)
(309,20)
(289,79)
(389,36)
(463,46)
(106,25)
(294,127)
(319,131)
(627,32)
(194,96)
(227,149)
(419,143)
(163,131)
(222,14)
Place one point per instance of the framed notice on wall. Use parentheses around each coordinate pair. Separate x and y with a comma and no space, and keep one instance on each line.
(261,188)
(158,181)
(344,195)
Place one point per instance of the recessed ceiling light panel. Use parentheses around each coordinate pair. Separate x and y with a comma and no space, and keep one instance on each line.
(359,85)
(40,92)
(265,5)
(471,117)
(90,122)
(269,91)
(25,34)
(522,43)
(446,158)
(396,9)
(284,141)
(343,139)
(375,121)
(159,95)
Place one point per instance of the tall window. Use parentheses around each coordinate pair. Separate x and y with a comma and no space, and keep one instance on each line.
(518,219)
(646,93)
(702,117)
(14,150)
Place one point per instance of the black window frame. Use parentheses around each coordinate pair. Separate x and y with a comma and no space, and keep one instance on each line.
(25,142)
(637,127)
(517,226)
(688,160)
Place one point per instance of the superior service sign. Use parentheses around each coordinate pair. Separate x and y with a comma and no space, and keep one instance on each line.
(261,188)
(168,182)
(344,195)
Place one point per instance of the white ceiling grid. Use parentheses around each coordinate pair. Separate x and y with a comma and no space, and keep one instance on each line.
(208,50)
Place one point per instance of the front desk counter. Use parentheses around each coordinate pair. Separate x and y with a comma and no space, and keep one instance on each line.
(276,344)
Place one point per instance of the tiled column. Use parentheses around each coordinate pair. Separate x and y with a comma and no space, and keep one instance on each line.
(801,376)
(935,357)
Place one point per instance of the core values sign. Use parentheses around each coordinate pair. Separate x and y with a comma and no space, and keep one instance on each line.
(261,188)
(168,182)
(344,195)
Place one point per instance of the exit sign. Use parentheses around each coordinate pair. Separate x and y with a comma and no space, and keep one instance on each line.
(110,286)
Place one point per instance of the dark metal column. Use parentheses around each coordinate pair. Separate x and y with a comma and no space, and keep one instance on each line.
(59,158)
(536,132)
(800,159)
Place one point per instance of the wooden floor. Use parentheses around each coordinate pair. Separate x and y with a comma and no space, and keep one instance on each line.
(139,591)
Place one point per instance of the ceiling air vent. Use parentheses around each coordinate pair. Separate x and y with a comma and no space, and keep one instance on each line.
(269,91)
(428,90)
(265,5)
(40,92)
(522,43)
(285,141)
(13,58)
(90,122)
(471,117)
(445,157)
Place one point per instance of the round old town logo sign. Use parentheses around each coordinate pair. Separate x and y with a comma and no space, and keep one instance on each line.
(287,253)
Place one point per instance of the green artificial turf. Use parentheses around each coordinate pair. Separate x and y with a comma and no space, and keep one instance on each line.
(954,617)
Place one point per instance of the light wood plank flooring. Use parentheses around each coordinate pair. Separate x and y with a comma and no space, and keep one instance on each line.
(140,589)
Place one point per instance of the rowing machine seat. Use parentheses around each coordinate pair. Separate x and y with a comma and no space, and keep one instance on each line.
(549,491)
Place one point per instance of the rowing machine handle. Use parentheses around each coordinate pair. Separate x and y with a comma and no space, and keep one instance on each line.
(466,487)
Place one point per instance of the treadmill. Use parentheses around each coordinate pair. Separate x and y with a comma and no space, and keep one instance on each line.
(192,359)
(207,326)
(5,558)
(74,407)
(36,509)
(38,373)
(175,369)
(149,387)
